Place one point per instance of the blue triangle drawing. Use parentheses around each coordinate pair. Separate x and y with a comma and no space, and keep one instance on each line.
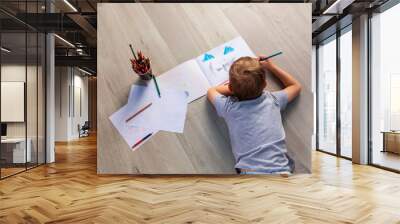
(208,57)
(228,49)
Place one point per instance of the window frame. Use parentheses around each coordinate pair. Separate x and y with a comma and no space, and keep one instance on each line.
(334,37)
(381,9)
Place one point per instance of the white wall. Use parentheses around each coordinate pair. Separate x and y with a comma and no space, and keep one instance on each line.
(79,117)
(70,83)
(9,73)
(62,81)
(12,73)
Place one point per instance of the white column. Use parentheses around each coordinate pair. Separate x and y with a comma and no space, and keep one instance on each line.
(314,92)
(360,90)
(50,92)
(50,110)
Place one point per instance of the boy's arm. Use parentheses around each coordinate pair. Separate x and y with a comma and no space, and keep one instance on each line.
(292,86)
(214,91)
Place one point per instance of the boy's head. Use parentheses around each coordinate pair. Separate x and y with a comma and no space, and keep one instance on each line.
(247,78)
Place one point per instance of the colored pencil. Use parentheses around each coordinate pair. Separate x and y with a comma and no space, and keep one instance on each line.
(157,88)
(271,56)
(133,52)
(140,64)
(140,111)
(141,140)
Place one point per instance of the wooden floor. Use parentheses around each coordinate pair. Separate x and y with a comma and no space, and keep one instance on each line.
(69,191)
(11,170)
(387,159)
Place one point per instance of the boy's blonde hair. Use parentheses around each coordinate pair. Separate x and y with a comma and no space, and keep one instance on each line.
(247,78)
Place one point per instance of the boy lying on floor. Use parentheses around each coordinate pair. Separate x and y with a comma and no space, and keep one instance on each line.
(253,115)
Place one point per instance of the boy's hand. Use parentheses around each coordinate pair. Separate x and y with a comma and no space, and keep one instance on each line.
(221,89)
(292,86)
(224,89)
(267,64)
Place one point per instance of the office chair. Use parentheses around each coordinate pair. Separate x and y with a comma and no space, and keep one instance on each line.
(84,130)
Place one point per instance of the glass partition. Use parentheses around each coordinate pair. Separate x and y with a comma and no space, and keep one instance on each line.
(14,153)
(32,96)
(346,93)
(385,89)
(22,78)
(327,96)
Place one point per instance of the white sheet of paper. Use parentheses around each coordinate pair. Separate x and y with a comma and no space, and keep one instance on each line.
(141,94)
(186,76)
(215,63)
(167,113)
(132,135)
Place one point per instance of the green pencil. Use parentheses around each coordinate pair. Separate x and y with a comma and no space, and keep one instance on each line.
(158,89)
(271,56)
(133,52)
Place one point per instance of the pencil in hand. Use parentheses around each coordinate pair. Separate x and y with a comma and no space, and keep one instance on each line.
(271,56)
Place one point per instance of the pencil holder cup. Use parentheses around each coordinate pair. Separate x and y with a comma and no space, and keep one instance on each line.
(146,76)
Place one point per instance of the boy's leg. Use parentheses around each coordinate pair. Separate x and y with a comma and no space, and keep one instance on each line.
(238,171)
(251,172)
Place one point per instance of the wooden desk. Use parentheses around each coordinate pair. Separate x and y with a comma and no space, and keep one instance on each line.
(173,33)
(391,141)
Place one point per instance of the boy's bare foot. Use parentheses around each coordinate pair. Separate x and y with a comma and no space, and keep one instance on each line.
(285,175)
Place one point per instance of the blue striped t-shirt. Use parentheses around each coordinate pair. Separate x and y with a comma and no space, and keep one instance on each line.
(256,131)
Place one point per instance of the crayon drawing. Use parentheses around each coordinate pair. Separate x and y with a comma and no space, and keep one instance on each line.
(216,63)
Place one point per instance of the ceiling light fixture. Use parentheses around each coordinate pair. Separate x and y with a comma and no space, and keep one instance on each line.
(65,41)
(84,71)
(79,51)
(337,7)
(70,5)
(5,50)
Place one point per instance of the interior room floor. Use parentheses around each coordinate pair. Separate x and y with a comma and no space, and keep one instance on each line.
(10,171)
(387,159)
(70,191)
